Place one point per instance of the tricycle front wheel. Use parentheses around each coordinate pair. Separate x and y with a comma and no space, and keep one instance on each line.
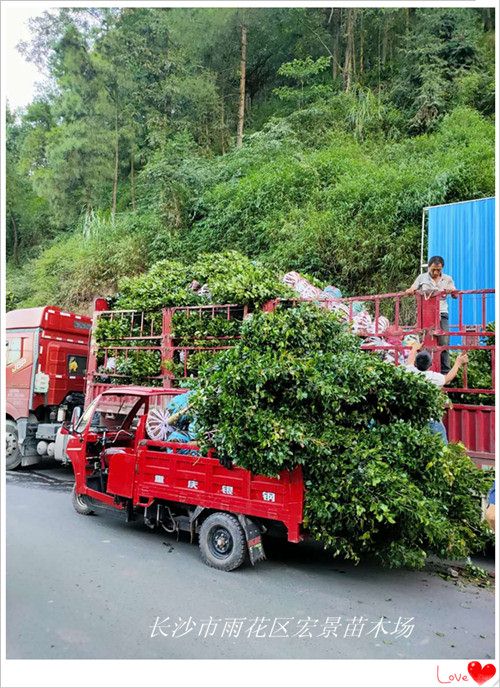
(222,542)
(81,503)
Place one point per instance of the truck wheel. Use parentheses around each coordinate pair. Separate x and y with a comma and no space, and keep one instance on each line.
(81,503)
(12,451)
(222,542)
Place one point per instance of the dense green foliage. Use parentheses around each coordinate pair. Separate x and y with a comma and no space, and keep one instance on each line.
(229,277)
(223,278)
(355,119)
(297,390)
(479,373)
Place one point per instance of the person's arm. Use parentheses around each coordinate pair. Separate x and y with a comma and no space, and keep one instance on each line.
(452,290)
(490,511)
(414,286)
(451,375)
(414,349)
(490,516)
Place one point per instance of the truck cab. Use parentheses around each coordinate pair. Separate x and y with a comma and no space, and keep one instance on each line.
(46,364)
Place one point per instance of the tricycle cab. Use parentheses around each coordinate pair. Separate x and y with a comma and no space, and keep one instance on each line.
(104,440)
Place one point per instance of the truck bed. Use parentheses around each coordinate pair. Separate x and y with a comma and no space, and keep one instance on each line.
(162,471)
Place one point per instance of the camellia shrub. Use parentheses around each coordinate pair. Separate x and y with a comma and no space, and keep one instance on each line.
(298,390)
(479,373)
(226,278)
(229,277)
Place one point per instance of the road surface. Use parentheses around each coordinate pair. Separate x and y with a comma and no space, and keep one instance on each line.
(81,587)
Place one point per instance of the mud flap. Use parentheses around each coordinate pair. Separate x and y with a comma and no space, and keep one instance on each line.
(254,540)
(129,511)
(27,443)
(193,521)
(30,460)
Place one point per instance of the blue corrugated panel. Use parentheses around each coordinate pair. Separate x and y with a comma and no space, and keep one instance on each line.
(464,234)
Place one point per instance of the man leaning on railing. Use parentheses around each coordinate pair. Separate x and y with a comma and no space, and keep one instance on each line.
(431,282)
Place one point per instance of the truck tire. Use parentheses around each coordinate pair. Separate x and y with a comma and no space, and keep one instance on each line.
(13,455)
(222,542)
(81,503)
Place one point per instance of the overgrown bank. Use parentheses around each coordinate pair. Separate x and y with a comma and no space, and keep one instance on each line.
(350,119)
(302,194)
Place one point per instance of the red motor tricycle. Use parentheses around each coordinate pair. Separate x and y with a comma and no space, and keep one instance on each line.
(118,461)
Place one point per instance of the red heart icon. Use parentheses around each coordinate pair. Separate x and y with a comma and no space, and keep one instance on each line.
(479,673)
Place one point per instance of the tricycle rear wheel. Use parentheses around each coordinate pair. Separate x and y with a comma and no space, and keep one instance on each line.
(222,542)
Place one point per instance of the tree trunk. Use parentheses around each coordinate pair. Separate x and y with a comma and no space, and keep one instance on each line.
(132,178)
(385,40)
(361,45)
(353,42)
(379,61)
(335,24)
(349,50)
(488,15)
(243,70)
(222,127)
(15,247)
(115,180)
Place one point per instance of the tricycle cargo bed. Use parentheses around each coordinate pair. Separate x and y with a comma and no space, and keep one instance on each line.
(163,473)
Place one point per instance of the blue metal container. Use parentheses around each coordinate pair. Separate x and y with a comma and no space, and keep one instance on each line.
(464,235)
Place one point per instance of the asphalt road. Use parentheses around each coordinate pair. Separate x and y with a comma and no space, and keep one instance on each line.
(81,587)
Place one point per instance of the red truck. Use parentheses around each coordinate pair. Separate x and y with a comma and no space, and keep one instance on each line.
(46,366)
(120,461)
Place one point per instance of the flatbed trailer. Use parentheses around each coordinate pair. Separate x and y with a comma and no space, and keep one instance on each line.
(473,424)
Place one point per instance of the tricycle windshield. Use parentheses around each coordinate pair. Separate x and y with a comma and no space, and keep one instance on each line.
(80,426)
(109,412)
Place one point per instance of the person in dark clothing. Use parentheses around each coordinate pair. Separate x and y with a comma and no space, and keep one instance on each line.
(490,511)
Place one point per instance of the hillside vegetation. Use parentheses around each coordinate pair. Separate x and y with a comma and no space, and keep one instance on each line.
(354,120)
